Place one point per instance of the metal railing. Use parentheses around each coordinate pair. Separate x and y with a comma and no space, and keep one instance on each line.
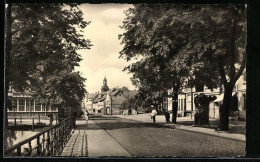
(49,142)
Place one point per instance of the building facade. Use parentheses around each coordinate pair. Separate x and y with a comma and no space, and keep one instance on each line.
(24,105)
(186,105)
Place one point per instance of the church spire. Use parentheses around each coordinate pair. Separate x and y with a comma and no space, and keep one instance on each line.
(104,88)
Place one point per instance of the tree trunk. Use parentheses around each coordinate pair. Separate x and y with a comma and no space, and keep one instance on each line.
(225,108)
(174,107)
(7,55)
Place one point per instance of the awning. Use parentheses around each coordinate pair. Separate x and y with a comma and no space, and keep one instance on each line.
(221,97)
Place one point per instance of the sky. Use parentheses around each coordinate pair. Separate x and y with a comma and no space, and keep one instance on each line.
(102,59)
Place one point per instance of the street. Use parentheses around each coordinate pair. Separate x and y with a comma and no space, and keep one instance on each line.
(133,138)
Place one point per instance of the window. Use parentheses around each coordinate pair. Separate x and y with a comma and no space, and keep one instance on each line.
(21,105)
(37,107)
(47,107)
(32,105)
(14,105)
(28,105)
(43,107)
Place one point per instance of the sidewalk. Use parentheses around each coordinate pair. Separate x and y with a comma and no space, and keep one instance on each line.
(237,128)
(90,140)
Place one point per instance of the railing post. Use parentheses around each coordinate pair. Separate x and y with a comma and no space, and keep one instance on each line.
(48,143)
(63,135)
(51,142)
(54,142)
(15,122)
(38,146)
(39,118)
(58,140)
(43,141)
(30,148)
(21,119)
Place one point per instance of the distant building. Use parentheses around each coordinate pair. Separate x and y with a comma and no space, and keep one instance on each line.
(114,100)
(89,99)
(186,105)
(24,105)
(108,101)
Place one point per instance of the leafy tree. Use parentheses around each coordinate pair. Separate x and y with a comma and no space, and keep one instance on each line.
(148,38)
(125,89)
(222,47)
(41,51)
(205,44)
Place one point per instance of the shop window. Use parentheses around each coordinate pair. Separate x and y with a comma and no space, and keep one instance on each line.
(14,105)
(21,105)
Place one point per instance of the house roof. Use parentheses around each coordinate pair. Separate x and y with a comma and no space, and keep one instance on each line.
(103,97)
(95,98)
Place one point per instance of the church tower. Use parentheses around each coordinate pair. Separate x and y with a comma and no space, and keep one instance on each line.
(104,88)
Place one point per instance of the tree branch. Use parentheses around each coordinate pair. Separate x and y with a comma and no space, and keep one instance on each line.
(232,49)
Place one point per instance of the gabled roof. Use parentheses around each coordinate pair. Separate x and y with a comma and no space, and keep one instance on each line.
(103,97)
(95,98)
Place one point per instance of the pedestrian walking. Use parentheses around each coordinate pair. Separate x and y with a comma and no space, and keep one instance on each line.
(153,114)
(74,119)
(167,117)
(86,116)
(50,115)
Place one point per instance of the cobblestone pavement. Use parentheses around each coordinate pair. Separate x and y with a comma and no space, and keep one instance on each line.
(90,140)
(109,136)
(148,139)
(75,145)
(185,123)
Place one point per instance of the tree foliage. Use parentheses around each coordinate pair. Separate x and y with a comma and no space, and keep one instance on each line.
(44,39)
(41,43)
(173,43)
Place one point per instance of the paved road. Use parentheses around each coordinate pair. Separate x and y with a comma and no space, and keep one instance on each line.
(148,139)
